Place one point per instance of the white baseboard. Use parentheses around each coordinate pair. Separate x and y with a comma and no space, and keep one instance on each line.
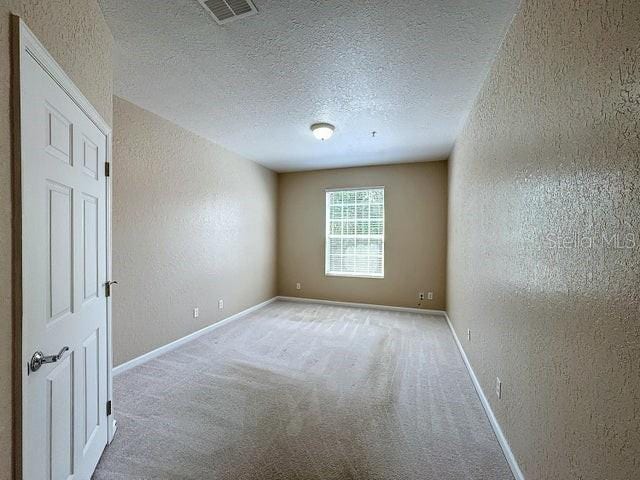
(363,305)
(176,343)
(511,459)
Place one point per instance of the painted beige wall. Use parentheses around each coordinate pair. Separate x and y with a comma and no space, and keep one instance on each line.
(551,148)
(77,36)
(415,234)
(192,223)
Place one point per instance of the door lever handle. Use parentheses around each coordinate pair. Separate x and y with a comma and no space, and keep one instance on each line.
(38,359)
(107,287)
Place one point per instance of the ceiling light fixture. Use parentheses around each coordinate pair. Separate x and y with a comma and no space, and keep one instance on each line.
(322,131)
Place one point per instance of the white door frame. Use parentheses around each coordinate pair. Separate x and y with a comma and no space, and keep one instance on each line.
(25,43)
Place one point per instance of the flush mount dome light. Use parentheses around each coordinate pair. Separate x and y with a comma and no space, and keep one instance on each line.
(322,131)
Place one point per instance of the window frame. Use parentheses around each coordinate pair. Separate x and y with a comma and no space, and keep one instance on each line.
(327,271)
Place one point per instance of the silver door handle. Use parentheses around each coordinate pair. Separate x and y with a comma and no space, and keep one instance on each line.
(107,288)
(38,359)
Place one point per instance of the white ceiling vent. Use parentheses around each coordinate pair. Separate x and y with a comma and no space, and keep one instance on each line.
(225,11)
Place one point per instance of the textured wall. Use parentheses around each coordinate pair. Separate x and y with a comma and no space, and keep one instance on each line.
(192,223)
(415,234)
(77,36)
(543,180)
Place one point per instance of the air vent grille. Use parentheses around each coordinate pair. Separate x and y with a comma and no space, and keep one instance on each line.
(225,11)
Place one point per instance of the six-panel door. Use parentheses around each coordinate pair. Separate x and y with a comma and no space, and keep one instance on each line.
(64,272)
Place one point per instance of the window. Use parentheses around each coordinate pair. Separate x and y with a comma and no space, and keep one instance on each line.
(355,232)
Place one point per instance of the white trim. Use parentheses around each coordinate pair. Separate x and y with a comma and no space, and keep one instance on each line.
(111,425)
(328,236)
(363,305)
(181,341)
(354,275)
(339,189)
(502,440)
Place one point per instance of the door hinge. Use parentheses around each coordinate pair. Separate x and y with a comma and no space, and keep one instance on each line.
(107,169)
(108,408)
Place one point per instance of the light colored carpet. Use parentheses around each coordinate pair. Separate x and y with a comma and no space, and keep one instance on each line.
(305,391)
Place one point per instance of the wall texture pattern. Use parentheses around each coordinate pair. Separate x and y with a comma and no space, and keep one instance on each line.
(415,234)
(544,231)
(75,33)
(192,223)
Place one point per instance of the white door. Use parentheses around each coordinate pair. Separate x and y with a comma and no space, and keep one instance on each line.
(63,279)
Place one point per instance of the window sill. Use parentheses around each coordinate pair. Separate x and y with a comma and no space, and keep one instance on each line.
(353,275)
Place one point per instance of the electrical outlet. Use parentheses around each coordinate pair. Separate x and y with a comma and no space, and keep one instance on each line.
(430,296)
(298,286)
(196,312)
(421,296)
(220,304)
(498,388)
(468,334)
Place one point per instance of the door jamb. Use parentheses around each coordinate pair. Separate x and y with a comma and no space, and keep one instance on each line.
(24,42)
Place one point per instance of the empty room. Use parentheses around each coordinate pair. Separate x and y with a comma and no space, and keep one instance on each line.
(320,240)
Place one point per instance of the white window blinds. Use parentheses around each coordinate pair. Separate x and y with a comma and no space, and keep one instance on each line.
(355,232)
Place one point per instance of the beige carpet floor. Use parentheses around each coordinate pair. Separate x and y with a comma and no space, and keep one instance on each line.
(305,391)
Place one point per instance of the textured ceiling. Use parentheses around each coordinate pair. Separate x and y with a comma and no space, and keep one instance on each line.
(409,70)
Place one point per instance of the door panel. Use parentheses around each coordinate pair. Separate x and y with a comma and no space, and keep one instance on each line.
(90,158)
(60,425)
(91,397)
(91,257)
(60,254)
(64,272)
(59,136)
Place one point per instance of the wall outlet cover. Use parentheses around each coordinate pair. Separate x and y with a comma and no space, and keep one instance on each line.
(220,304)
(298,286)
(196,312)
